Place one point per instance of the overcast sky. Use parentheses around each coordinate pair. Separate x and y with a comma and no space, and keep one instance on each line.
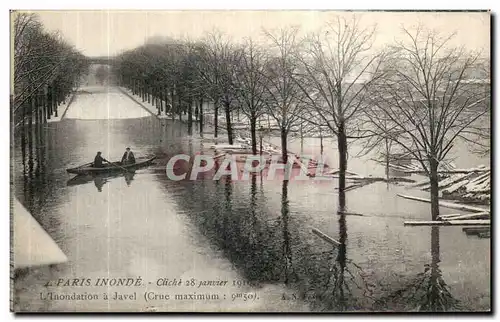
(98,33)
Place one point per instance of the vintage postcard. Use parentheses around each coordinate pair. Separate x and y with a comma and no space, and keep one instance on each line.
(250,161)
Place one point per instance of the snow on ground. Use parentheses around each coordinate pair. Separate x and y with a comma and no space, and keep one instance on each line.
(60,112)
(93,103)
(150,107)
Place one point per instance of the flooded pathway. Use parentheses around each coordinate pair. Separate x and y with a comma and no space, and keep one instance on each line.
(256,234)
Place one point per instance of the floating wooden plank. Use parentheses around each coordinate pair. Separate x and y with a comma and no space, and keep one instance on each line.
(349,213)
(445,204)
(335,171)
(479,184)
(32,245)
(227,146)
(479,215)
(475,230)
(463,171)
(454,187)
(452,179)
(219,155)
(325,237)
(478,222)
(448,216)
(334,176)
(420,183)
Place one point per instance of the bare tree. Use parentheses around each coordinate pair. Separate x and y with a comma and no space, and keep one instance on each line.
(430,98)
(249,84)
(217,59)
(283,97)
(45,68)
(382,140)
(337,68)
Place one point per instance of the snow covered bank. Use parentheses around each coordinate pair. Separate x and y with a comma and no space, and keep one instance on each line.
(104,103)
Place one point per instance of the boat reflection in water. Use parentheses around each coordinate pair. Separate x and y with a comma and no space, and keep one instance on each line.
(100,179)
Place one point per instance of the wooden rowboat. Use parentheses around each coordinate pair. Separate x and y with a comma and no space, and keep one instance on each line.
(108,168)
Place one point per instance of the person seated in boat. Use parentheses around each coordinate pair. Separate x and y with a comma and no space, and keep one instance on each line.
(128,157)
(98,161)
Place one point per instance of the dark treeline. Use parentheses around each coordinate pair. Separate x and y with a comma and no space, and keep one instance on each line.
(46,69)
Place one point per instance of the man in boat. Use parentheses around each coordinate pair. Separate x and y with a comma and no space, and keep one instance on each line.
(128,157)
(98,161)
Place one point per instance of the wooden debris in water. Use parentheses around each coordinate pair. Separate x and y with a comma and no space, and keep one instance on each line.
(475,230)
(419,183)
(478,222)
(450,205)
(325,237)
(349,213)
(480,215)
(227,146)
(219,155)
(336,171)
(464,184)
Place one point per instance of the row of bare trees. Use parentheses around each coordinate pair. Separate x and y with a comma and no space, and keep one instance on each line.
(419,93)
(45,70)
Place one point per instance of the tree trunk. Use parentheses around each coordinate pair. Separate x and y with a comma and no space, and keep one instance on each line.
(55,104)
(387,159)
(190,117)
(45,107)
(434,188)
(163,101)
(321,142)
(342,147)
(228,122)
(301,139)
(35,109)
(179,106)
(253,130)
(23,132)
(284,150)
(216,117)
(30,135)
(201,116)
(172,105)
(49,103)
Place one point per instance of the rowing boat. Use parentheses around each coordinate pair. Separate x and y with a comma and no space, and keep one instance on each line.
(113,167)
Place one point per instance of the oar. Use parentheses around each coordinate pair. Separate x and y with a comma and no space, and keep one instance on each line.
(117,166)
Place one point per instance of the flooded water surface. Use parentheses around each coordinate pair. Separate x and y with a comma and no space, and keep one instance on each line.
(249,243)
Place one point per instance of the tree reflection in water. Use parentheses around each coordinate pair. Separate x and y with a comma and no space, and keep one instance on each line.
(427,291)
(288,267)
(347,284)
